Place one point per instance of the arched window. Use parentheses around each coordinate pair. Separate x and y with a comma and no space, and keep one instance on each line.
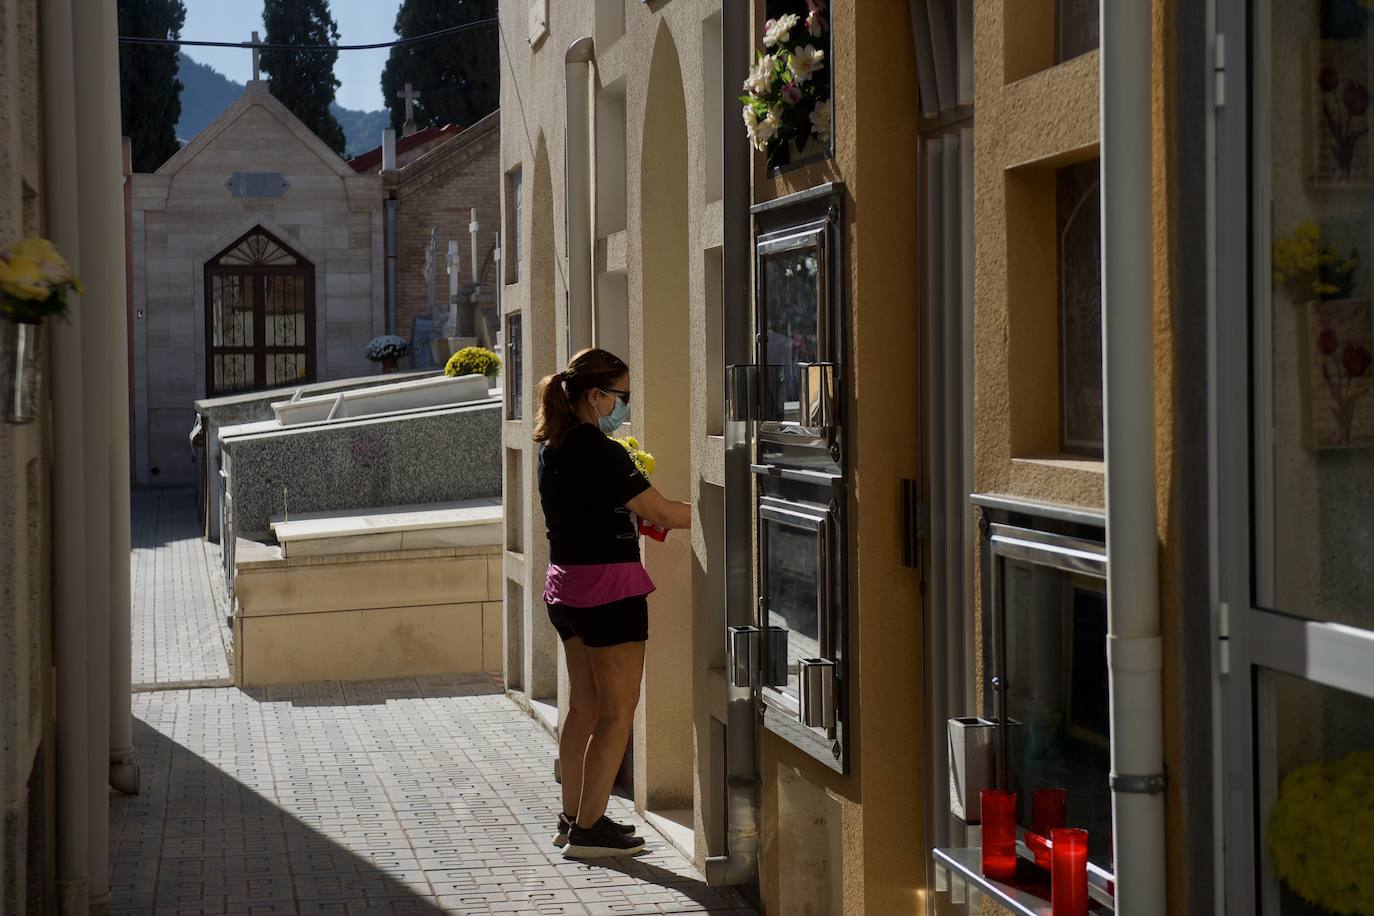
(259,316)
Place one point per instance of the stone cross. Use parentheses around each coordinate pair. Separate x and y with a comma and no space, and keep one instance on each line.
(410,95)
(257,59)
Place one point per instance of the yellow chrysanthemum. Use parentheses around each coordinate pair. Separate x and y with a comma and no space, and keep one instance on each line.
(36,249)
(643,461)
(22,278)
(1324,865)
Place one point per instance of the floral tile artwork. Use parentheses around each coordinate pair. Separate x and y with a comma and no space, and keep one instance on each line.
(1340,355)
(1340,138)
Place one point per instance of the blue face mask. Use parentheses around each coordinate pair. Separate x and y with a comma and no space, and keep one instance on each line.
(619,414)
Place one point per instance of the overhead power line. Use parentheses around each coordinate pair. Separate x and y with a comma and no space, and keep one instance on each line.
(270,46)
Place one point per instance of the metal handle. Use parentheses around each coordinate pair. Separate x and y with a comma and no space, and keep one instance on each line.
(741,390)
(816,692)
(776,675)
(816,477)
(818,395)
(743,645)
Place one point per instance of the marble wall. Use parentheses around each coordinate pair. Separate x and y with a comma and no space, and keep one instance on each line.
(402,459)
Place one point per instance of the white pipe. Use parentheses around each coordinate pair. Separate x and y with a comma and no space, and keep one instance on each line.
(62,208)
(1134,654)
(389,149)
(577,173)
(472,241)
(123,771)
(102,260)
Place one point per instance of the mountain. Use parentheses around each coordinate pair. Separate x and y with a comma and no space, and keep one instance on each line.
(206,93)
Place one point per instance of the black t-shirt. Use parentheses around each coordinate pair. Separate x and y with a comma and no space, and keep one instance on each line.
(584,485)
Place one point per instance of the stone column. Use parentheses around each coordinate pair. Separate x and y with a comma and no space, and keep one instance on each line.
(101,230)
(69,471)
(123,771)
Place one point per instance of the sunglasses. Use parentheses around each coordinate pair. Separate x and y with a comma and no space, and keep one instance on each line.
(623,395)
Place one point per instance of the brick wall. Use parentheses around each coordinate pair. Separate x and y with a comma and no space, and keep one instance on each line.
(440,190)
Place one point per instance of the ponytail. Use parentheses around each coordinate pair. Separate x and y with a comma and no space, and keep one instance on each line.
(591,368)
(557,417)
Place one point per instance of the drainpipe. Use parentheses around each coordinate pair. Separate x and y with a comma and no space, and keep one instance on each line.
(62,207)
(739,860)
(388,177)
(1134,649)
(577,176)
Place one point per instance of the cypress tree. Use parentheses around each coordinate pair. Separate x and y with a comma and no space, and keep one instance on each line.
(149,91)
(304,81)
(458,77)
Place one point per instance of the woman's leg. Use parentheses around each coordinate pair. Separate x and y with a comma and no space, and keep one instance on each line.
(617,671)
(578,724)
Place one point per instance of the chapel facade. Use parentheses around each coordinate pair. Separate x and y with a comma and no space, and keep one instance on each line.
(257,261)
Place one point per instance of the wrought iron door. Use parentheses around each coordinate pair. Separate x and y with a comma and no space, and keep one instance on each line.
(259,316)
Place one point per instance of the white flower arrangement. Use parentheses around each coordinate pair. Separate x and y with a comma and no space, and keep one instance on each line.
(786,108)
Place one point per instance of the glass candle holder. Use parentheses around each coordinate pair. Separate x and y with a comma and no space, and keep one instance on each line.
(999,833)
(1048,807)
(1069,872)
(1040,848)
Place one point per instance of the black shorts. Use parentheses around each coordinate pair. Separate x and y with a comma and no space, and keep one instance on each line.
(626,620)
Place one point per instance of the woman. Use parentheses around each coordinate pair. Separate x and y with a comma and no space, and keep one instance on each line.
(596,588)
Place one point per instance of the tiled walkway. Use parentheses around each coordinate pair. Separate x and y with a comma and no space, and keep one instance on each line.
(179,633)
(417,795)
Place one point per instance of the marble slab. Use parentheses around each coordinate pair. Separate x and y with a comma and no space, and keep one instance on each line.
(464,523)
(440,456)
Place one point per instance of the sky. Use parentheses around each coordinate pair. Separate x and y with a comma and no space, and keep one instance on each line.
(360,22)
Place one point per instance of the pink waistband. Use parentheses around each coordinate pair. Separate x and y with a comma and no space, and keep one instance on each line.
(595,584)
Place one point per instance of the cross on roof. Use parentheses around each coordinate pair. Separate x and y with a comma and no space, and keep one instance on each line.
(410,95)
(257,59)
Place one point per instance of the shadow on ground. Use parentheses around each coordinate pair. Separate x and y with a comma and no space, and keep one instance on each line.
(412,796)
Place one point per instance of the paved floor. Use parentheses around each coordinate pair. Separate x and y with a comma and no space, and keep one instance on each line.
(409,796)
(179,633)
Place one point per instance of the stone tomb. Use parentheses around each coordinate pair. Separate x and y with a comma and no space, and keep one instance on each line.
(429,455)
(215,414)
(390,593)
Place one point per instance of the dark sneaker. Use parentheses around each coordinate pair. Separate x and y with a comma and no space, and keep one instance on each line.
(604,838)
(564,822)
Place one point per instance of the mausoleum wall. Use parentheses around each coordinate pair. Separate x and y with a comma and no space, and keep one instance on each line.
(190,211)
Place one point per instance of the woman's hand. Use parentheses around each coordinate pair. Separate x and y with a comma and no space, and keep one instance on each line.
(655,509)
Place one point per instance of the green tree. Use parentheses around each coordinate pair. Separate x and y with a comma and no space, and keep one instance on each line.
(458,77)
(304,81)
(149,91)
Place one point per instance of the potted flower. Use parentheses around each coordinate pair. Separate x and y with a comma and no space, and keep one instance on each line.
(1318,834)
(1340,338)
(34,283)
(473,361)
(386,350)
(786,106)
(644,463)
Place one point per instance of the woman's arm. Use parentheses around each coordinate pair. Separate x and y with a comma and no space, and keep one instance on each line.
(654,508)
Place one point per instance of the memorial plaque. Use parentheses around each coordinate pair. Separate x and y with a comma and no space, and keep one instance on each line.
(257,184)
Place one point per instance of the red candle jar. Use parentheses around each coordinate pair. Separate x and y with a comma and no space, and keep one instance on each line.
(1048,810)
(999,833)
(1040,848)
(1069,872)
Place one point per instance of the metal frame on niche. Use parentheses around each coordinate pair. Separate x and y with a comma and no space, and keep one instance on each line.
(808,218)
(801,481)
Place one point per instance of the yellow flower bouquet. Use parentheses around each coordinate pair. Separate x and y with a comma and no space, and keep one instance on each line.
(1312,268)
(1321,834)
(644,463)
(35,281)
